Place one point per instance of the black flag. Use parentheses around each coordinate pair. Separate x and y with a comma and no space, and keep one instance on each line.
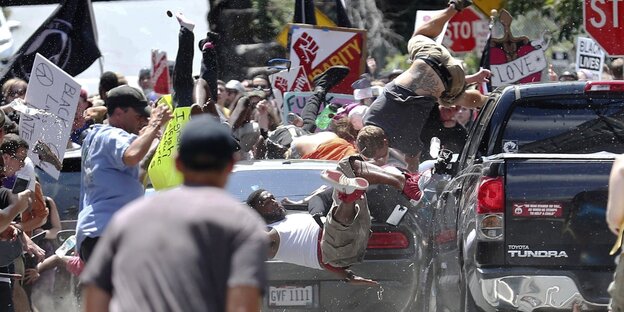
(485,57)
(304,12)
(341,14)
(66,38)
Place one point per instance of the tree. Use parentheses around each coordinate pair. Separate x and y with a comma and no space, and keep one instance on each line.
(381,39)
(564,12)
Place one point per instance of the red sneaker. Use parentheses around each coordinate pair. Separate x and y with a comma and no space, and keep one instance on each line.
(343,184)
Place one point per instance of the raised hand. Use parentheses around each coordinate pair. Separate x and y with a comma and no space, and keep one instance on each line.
(482,76)
(161,114)
(46,155)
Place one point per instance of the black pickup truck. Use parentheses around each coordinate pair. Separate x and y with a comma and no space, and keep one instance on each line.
(521,226)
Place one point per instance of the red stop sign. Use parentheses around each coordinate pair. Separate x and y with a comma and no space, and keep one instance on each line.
(462,30)
(603,23)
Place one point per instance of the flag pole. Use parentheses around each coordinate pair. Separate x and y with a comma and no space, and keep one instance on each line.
(484,85)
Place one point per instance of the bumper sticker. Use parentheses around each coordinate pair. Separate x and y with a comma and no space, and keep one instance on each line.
(537,210)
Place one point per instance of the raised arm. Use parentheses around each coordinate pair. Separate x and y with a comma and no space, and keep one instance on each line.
(139,147)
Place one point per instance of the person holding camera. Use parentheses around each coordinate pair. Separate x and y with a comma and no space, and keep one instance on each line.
(245,129)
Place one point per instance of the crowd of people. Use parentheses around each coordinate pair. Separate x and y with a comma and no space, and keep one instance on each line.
(381,138)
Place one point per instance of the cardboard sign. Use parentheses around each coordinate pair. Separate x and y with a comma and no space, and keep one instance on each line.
(589,57)
(294,79)
(295,101)
(516,59)
(161,170)
(317,48)
(467,31)
(54,95)
(515,71)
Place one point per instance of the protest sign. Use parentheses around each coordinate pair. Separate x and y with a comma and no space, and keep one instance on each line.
(160,72)
(54,96)
(515,59)
(589,57)
(467,31)
(317,48)
(284,81)
(295,101)
(161,170)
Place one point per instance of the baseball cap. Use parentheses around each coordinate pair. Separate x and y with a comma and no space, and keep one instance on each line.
(206,144)
(235,85)
(127,96)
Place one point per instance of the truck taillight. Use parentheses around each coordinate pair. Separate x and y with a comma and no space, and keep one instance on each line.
(388,240)
(491,208)
(491,196)
(604,86)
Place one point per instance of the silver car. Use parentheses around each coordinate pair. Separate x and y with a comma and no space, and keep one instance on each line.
(397,256)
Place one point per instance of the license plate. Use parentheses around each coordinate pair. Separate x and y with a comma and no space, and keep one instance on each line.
(294,296)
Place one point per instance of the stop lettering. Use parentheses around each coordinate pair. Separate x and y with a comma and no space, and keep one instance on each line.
(602,20)
(462,30)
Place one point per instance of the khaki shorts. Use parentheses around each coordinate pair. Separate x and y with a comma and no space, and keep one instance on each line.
(424,47)
(616,288)
(345,244)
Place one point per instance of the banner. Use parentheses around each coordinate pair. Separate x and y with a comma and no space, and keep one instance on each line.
(67,38)
(589,57)
(284,81)
(54,94)
(317,48)
(515,59)
(295,101)
(162,170)
(160,72)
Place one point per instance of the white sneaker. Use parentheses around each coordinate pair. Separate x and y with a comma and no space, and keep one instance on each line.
(343,184)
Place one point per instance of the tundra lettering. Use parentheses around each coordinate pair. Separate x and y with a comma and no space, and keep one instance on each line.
(537,254)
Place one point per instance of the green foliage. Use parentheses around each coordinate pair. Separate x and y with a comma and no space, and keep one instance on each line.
(397,61)
(471,62)
(272,16)
(567,14)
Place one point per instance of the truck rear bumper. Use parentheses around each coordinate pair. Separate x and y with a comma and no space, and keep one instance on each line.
(532,292)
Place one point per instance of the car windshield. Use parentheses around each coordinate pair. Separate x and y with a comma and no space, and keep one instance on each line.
(560,125)
(66,190)
(295,184)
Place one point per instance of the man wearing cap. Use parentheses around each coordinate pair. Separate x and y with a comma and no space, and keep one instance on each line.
(110,161)
(178,251)
(234,90)
(433,77)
